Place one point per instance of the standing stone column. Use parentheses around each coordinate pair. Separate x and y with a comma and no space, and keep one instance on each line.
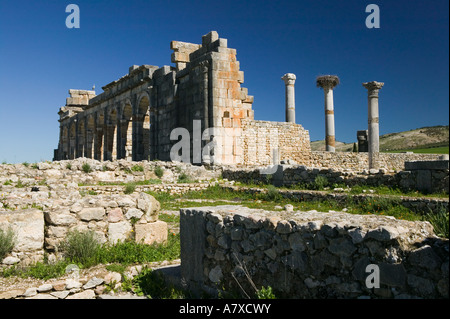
(374,131)
(289,81)
(327,83)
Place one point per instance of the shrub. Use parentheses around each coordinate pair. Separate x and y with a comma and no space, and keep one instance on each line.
(184,178)
(80,247)
(272,193)
(440,221)
(320,182)
(265,293)
(130,188)
(159,171)
(86,168)
(7,242)
(137,168)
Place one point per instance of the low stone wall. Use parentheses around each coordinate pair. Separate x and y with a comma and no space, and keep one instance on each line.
(360,161)
(298,174)
(110,217)
(419,205)
(312,255)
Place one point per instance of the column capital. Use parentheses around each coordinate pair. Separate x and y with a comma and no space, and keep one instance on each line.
(373,87)
(289,78)
(327,82)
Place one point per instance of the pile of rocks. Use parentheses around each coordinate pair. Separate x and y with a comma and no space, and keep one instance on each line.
(95,283)
(60,174)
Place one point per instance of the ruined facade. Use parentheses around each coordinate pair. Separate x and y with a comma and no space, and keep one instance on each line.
(135,116)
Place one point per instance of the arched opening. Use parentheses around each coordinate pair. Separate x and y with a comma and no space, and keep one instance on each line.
(90,137)
(72,140)
(111,138)
(142,148)
(126,145)
(65,143)
(81,138)
(99,137)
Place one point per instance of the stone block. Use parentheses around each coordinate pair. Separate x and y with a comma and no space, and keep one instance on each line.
(28,226)
(119,231)
(427,165)
(151,233)
(93,213)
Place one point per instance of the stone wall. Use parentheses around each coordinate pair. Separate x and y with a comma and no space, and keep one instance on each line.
(260,139)
(407,180)
(311,255)
(110,217)
(360,161)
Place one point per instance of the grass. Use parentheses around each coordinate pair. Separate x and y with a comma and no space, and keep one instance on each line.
(83,250)
(7,241)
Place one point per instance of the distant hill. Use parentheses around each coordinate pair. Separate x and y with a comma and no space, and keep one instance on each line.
(424,137)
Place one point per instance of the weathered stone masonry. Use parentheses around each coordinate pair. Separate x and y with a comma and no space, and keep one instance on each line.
(134,116)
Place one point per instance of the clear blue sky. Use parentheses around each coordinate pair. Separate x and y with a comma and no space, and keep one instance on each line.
(41,59)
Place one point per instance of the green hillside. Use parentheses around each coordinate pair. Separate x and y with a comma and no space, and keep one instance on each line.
(433,140)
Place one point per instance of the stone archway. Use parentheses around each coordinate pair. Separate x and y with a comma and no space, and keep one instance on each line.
(142,130)
(111,138)
(99,137)
(72,140)
(81,146)
(90,132)
(126,139)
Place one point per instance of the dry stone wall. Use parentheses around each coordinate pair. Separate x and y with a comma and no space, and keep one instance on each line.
(111,217)
(360,161)
(311,254)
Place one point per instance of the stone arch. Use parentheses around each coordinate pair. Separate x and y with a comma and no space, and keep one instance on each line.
(126,139)
(142,129)
(72,140)
(90,133)
(81,138)
(65,142)
(99,136)
(111,135)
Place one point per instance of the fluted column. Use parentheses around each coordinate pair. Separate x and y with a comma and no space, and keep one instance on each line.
(289,81)
(327,83)
(373,119)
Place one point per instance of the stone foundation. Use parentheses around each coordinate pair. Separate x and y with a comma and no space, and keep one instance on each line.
(311,254)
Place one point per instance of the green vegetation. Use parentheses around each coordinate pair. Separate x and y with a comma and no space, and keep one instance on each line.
(7,241)
(159,171)
(86,168)
(440,221)
(82,249)
(129,188)
(137,168)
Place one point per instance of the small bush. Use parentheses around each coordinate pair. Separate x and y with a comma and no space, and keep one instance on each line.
(130,188)
(265,293)
(272,193)
(440,221)
(159,171)
(69,166)
(80,247)
(320,182)
(184,178)
(137,168)
(7,242)
(86,168)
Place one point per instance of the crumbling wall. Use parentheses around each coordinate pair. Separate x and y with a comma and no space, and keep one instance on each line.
(111,217)
(311,254)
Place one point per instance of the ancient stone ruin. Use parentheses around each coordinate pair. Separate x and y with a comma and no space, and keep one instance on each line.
(134,116)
